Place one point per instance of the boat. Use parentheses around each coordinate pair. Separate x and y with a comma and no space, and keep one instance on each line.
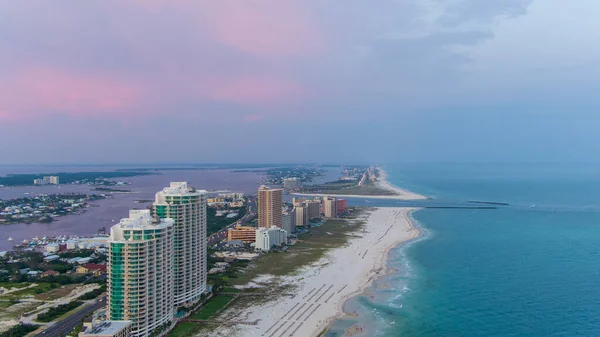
(10,239)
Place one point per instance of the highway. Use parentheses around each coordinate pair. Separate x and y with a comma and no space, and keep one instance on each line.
(222,234)
(64,327)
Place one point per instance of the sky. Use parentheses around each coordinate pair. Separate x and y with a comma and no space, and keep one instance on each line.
(155,81)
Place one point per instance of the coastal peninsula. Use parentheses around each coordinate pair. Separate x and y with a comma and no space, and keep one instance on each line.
(372,184)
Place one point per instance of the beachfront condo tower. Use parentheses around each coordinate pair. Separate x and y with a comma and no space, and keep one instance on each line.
(270,202)
(187,207)
(329,207)
(140,272)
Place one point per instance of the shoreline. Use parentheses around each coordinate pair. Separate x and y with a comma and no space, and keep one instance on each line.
(323,288)
(383,263)
(382,183)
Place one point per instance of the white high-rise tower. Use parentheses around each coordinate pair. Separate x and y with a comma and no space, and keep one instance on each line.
(187,207)
(140,272)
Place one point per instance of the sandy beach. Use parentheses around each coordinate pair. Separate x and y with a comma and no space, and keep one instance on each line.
(322,289)
(381,182)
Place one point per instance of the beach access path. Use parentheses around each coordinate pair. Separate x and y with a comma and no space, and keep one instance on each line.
(323,287)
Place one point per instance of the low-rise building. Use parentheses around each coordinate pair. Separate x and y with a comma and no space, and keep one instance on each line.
(235,243)
(52,247)
(266,238)
(49,273)
(236,204)
(243,233)
(106,329)
(51,258)
(91,268)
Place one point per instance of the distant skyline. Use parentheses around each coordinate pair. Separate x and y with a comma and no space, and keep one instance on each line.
(264,81)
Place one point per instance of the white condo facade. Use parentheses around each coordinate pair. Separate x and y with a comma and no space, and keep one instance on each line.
(187,207)
(266,238)
(140,272)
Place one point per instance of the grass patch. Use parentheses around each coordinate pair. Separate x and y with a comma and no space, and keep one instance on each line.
(15,310)
(232,290)
(213,306)
(40,288)
(310,248)
(57,293)
(92,294)
(18,285)
(185,329)
(362,190)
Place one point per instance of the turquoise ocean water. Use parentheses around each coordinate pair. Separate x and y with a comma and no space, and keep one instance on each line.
(528,269)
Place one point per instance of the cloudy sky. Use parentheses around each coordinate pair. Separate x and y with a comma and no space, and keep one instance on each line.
(113,81)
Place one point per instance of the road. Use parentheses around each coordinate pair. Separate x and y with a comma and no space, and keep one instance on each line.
(67,325)
(222,234)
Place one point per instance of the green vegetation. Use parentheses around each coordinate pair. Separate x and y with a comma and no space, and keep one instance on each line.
(57,292)
(27,290)
(35,261)
(58,311)
(76,253)
(19,330)
(310,248)
(343,187)
(185,329)
(213,306)
(215,223)
(92,294)
(275,176)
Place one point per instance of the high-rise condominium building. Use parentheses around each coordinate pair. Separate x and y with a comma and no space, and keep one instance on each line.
(187,207)
(140,272)
(341,205)
(301,214)
(314,208)
(270,202)
(289,222)
(329,207)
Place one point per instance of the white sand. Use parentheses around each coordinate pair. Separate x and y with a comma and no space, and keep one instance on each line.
(381,182)
(323,288)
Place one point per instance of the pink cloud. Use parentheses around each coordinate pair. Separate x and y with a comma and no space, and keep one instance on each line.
(261,28)
(242,52)
(45,90)
(268,27)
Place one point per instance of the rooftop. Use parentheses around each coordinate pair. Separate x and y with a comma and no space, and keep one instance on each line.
(107,328)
